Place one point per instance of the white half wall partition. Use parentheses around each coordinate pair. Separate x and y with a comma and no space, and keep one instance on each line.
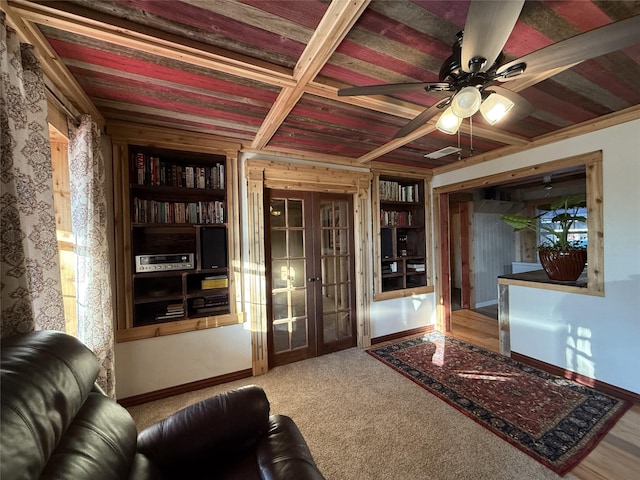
(595,336)
(402,314)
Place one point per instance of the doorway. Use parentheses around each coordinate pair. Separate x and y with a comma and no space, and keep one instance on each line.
(310,274)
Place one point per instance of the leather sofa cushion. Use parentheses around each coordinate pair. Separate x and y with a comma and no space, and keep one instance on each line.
(100,443)
(46,378)
(209,432)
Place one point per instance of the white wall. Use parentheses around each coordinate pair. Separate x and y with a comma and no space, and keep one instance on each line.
(493,252)
(155,363)
(401,314)
(594,336)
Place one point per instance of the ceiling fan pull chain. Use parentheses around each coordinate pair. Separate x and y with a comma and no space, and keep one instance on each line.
(470,137)
(459,149)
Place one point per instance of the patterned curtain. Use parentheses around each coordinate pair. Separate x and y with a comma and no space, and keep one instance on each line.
(30,273)
(89,224)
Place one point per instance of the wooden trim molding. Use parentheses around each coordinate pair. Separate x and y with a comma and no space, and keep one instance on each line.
(363,261)
(261,174)
(592,161)
(307,177)
(403,334)
(163,137)
(170,328)
(255,271)
(407,292)
(522,173)
(184,388)
(577,377)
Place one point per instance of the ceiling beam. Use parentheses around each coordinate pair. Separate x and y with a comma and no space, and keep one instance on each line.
(397,143)
(52,65)
(117,31)
(334,26)
(377,103)
(336,23)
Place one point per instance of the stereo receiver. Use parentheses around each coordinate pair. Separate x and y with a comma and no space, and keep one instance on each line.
(162,262)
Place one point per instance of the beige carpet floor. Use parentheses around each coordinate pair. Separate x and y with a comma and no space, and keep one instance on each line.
(362,420)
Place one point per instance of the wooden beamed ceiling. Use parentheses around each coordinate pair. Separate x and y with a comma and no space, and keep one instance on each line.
(266,73)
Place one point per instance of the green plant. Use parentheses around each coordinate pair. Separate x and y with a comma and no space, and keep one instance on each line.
(566,213)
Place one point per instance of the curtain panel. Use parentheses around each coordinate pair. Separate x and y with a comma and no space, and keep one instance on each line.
(94,305)
(29,263)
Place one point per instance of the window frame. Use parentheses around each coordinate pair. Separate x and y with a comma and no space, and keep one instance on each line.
(592,162)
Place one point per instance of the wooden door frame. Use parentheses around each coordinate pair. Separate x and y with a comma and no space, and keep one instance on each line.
(261,174)
(464,204)
(592,161)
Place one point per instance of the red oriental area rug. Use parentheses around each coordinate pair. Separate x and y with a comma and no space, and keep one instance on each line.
(554,420)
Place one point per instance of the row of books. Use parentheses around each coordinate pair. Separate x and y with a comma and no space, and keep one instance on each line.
(174,311)
(151,170)
(393,218)
(152,211)
(391,191)
(415,267)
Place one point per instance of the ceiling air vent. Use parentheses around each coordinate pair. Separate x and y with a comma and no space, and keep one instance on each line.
(443,152)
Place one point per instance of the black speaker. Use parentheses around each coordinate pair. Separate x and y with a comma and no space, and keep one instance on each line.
(386,241)
(213,247)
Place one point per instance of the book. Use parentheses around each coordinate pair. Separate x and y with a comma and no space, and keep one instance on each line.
(218,281)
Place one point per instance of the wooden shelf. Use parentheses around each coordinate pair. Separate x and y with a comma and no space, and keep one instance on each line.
(402,229)
(165,185)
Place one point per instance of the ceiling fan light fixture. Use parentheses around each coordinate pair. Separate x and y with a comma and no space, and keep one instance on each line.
(495,107)
(466,102)
(448,122)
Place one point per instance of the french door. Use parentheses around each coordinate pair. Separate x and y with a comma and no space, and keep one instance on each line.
(310,274)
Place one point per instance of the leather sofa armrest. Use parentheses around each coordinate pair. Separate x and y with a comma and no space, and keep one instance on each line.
(217,427)
(283,454)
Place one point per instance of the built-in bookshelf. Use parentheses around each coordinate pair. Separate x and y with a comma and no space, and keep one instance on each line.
(402,248)
(178,235)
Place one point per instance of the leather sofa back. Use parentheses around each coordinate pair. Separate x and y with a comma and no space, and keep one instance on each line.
(54,424)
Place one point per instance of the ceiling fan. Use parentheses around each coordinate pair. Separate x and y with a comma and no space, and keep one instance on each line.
(477,66)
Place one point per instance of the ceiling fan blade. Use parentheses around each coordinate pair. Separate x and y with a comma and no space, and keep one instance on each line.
(591,44)
(522,107)
(486,30)
(421,119)
(392,88)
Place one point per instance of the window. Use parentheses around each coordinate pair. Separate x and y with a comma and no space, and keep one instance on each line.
(578,231)
(62,203)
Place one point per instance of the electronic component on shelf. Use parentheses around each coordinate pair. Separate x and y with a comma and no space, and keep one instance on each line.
(164,262)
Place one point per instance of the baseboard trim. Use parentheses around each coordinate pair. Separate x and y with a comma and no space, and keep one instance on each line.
(488,303)
(184,388)
(404,333)
(579,378)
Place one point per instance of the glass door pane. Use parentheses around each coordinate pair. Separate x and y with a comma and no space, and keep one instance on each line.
(290,326)
(337,313)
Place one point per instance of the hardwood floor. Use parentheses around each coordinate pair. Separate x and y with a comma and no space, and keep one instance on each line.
(616,457)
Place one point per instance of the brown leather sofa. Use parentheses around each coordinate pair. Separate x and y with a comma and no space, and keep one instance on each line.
(57,424)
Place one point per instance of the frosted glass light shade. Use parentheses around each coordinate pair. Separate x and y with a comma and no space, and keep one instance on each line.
(466,102)
(448,122)
(495,107)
